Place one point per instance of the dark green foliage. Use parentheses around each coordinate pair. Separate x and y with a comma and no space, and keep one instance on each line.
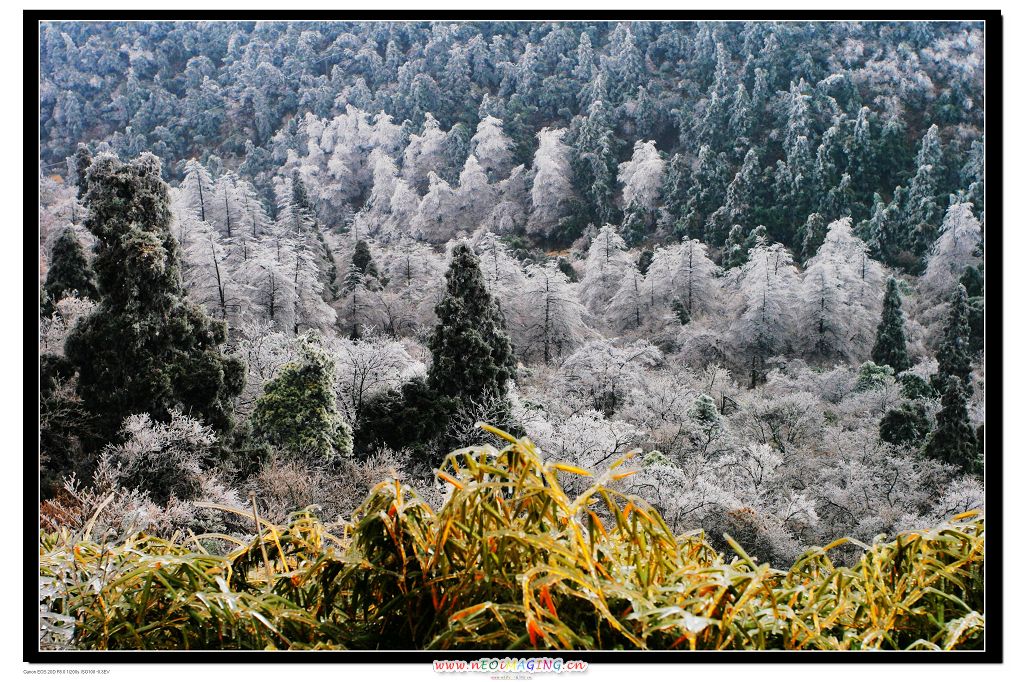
(362,260)
(644,262)
(472,354)
(634,225)
(297,412)
(66,430)
(914,386)
(69,271)
(976,322)
(891,339)
(973,280)
(681,313)
(407,419)
(954,440)
(567,269)
(456,149)
(145,348)
(954,354)
(872,376)
(729,90)
(908,424)
(83,159)
(811,235)
(737,247)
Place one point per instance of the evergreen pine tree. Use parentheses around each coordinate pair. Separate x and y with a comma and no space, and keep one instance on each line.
(69,271)
(146,348)
(905,425)
(297,411)
(954,441)
(472,355)
(891,339)
(677,182)
(954,354)
(83,159)
(973,280)
(811,235)
(362,261)
(362,276)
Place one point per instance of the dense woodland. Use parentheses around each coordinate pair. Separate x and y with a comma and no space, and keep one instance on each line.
(285,261)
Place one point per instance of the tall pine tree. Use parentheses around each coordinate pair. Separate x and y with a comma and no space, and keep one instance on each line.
(473,358)
(891,339)
(146,348)
(954,354)
(69,271)
(954,441)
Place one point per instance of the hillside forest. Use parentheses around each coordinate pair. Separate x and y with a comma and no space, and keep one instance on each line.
(280,262)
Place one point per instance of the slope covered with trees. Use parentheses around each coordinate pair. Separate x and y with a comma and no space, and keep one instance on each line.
(285,261)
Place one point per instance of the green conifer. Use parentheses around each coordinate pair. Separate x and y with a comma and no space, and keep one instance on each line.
(954,354)
(954,440)
(145,348)
(69,271)
(891,340)
(473,358)
(905,425)
(298,412)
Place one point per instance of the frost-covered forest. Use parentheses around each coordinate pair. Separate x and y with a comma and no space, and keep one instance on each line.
(281,262)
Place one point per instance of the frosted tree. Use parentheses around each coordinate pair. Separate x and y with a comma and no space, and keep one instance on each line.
(607,263)
(587,439)
(226,210)
(503,274)
(385,176)
(957,248)
(763,309)
(474,197)
(684,273)
(404,205)
(362,279)
(198,189)
(207,274)
(436,220)
(367,367)
(283,282)
(292,217)
(604,375)
(841,297)
(642,177)
(424,154)
(311,311)
(415,275)
(387,135)
(493,148)
(555,316)
(552,194)
(255,220)
(631,303)
(265,278)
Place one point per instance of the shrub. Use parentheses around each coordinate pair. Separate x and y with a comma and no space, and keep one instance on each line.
(510,562)
(298,413)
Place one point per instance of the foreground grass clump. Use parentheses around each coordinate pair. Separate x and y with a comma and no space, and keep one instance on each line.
(509,562)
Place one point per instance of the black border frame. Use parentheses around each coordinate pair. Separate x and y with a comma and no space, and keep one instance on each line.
(994,601)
